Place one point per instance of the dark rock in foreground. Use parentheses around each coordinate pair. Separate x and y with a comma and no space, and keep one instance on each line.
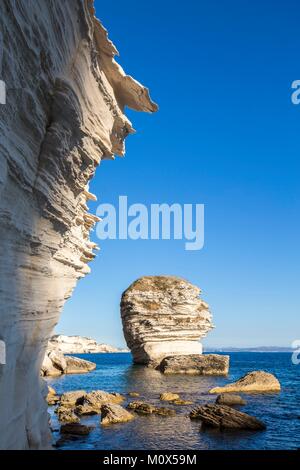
(230,399)
(75,428)
(195,364)
(225,417)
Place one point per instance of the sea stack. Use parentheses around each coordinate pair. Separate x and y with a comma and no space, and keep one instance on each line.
(164,316)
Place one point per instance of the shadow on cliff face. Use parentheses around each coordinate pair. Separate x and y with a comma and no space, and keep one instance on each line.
(61,117)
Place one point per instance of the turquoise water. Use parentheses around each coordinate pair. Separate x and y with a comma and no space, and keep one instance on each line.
(115,373)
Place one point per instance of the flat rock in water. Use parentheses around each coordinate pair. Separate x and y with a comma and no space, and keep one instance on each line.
(182,402)
(225,417)
(111,414)
(169,396)
(78,366)
(230,399)
(256,381)
(148,409)
(75,428)
(195,364)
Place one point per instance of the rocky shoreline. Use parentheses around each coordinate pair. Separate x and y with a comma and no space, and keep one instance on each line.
(112,408)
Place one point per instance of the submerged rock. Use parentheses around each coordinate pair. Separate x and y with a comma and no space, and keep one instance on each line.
(148,409)
(196,364)
(182,402)
(163,316)
(111,414)
(225,417)
(133,394)
(76,429)
(230,399)
(169,396)
(257,381)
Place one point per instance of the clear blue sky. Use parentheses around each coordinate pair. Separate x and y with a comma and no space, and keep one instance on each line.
(226,135)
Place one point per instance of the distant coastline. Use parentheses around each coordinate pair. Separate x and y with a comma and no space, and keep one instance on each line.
(262,349)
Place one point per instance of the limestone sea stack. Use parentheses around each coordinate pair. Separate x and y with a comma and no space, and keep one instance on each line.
(64,114)
(164,316)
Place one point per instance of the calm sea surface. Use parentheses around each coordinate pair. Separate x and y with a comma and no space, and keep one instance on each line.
(115,373)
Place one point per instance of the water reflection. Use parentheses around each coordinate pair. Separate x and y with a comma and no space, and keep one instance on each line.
(115,372)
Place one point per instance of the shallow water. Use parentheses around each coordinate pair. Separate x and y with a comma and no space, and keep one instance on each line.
(115,373)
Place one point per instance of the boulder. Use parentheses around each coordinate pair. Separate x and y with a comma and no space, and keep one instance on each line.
(230,399)
(48,369)
(195,364)
(58,360)
(71,399)
(163,316)
(253,382)
(169,396)
(134,394)
(148,409)
(225,417)
(55,364)
(76,429)
(78,366)
(112,413)
(86,410)
(52,398)
(66,415)
(96,399)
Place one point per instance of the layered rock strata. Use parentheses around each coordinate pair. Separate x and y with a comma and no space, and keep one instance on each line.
(224,417)
(195,364)
(163,316)
(257,381)
(64,114)
(80,345)
(55,364)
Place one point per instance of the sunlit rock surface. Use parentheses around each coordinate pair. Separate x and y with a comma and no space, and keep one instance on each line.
(80,345)
(63,115)
(163,316)
(55,364)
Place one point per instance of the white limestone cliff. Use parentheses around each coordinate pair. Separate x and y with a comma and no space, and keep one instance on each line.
(64,114)
(80,345)
(163,316)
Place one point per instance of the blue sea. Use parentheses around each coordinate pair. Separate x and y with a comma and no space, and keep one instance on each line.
(115,373)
